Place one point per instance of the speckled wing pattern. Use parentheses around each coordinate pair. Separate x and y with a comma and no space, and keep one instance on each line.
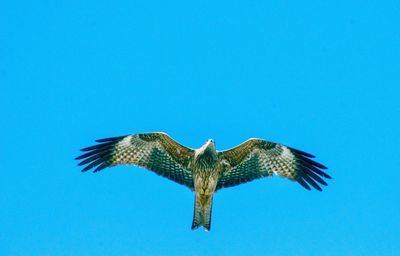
(154,151)
(258,158)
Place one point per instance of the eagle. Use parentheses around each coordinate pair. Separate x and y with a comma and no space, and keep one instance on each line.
(205,170)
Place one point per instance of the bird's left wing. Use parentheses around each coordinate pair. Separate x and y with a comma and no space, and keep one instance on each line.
(154,151)
(258,158)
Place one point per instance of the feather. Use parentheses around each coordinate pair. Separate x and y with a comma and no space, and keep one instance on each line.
(111,139)
(154,151)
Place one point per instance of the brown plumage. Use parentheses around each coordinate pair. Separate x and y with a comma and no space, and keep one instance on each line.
(205,170)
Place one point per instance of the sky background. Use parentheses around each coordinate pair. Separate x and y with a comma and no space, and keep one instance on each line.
(322,77)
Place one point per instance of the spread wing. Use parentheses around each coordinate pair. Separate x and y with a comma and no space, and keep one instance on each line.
(154,151)
(258,158)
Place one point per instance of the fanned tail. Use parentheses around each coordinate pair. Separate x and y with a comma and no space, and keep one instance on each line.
(202,211)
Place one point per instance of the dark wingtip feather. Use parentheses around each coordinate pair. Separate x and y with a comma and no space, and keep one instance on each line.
(313,163)
(303,183)
(310,170)
(88,154)
(110,139)
(318,188)
(98,156)
(98,146)
(87,168)
(318,171)
(300,152)
(101,167)
(326,176)
(93,163)
(314,176)
(104,155)
(311,182)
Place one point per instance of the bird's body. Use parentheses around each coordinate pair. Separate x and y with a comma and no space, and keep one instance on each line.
(205,170)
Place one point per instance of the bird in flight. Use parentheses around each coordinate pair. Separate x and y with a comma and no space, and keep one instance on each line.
(205,170)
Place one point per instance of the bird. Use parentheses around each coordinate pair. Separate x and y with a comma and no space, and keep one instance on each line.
(205,170)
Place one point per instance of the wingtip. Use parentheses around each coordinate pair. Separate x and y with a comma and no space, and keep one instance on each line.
(87,168)
(323,167)
(303,183)
(86,149)
(111,139)
(300,152)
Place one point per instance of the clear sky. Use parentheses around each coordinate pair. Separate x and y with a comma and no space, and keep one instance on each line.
(320,76)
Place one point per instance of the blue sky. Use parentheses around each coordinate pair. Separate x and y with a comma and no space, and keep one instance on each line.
(319,76)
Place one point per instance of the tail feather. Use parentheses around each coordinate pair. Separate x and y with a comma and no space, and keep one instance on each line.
(202,212)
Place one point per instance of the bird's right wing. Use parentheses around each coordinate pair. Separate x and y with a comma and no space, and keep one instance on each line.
(258,158)
(154,151)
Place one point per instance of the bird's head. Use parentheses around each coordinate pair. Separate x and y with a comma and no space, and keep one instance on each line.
(210,145)
(207,152)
